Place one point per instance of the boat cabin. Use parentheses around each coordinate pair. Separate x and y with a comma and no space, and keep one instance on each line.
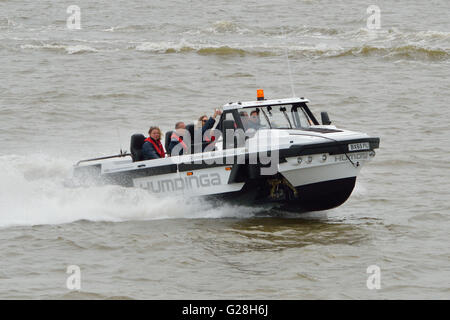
(290,113)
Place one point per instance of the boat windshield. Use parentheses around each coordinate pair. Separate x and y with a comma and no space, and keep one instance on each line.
(275,117)
(253,119)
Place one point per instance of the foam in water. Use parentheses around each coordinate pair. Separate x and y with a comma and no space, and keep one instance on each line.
(69,49)
(32,192)
(391,44)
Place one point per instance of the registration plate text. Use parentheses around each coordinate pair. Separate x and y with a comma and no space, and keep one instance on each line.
(358,146)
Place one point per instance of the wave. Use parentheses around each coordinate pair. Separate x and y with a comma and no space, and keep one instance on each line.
(394,34)
(404,52)
(69,49)
(32,192)
(133,28)
(224,26)
(234,27)
(409,51)
(432,35)
(320,51)
(226,50)
(301,31)
(238,28)
(183,47)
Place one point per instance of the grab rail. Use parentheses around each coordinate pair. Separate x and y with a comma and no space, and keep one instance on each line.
(121,155)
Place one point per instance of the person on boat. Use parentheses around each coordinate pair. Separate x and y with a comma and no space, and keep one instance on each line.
(244,119)
(254,120)
(202,121)
(207,124)
(177,138)
(152,147)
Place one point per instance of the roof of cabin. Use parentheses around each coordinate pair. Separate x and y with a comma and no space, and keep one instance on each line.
(262,103)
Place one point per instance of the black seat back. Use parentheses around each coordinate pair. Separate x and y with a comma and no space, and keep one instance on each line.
(167,139)
(137,140)
(190,144)
(229,127)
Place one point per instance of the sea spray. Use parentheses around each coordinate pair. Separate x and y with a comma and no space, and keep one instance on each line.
(32,192)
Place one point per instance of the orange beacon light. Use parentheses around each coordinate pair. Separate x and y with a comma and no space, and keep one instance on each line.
(260,94)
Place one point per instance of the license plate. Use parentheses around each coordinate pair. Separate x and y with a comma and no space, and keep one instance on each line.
(359,146)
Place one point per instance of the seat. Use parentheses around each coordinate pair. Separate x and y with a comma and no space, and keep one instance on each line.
(197,144)
(136,143)
(228,125)
(167,139)
(190,128)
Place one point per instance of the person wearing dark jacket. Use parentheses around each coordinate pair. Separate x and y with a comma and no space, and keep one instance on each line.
(177,138)
(152,147)
(207,124)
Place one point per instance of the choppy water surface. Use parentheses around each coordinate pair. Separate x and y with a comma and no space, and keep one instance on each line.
(67,95)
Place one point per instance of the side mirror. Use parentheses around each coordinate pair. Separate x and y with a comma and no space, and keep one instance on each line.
(325,118)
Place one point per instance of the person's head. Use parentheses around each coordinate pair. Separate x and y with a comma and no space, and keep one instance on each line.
(244,119)
(180,127)
(254,115)
(155,133)
(202,121)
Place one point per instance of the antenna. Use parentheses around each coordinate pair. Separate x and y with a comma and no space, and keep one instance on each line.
(288,65)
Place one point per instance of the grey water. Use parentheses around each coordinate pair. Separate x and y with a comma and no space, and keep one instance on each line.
(70,94)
